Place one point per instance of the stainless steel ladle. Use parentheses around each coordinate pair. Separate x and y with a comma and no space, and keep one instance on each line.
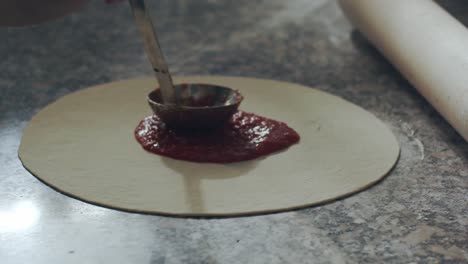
(183,105)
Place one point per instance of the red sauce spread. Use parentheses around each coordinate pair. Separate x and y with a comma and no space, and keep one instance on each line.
(245,136)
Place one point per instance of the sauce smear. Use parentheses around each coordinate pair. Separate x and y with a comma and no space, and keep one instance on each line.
(245,136)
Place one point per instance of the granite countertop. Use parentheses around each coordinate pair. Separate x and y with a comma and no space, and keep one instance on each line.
(418,214)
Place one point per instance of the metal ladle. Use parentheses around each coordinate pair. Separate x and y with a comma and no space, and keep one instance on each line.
(183,105)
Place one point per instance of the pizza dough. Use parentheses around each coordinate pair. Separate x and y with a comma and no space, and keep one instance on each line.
(83,145)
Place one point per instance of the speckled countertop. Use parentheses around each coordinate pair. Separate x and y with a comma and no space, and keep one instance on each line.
(418,214)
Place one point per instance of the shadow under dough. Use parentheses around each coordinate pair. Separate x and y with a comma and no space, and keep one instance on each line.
(194,173)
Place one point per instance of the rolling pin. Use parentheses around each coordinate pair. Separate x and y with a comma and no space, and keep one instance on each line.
(426,44)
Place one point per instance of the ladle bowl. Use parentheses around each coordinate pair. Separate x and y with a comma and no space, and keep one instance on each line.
(198,106)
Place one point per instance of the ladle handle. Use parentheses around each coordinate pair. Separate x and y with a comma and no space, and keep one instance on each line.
(153,51)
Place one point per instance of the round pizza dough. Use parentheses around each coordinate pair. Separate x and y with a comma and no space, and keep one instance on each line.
(83,145)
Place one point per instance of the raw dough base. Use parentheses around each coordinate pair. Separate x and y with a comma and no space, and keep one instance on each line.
(83,146)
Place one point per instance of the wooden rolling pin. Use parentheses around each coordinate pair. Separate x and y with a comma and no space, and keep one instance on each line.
(426,44)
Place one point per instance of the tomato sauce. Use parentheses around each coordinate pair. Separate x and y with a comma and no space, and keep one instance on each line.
(245,136)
